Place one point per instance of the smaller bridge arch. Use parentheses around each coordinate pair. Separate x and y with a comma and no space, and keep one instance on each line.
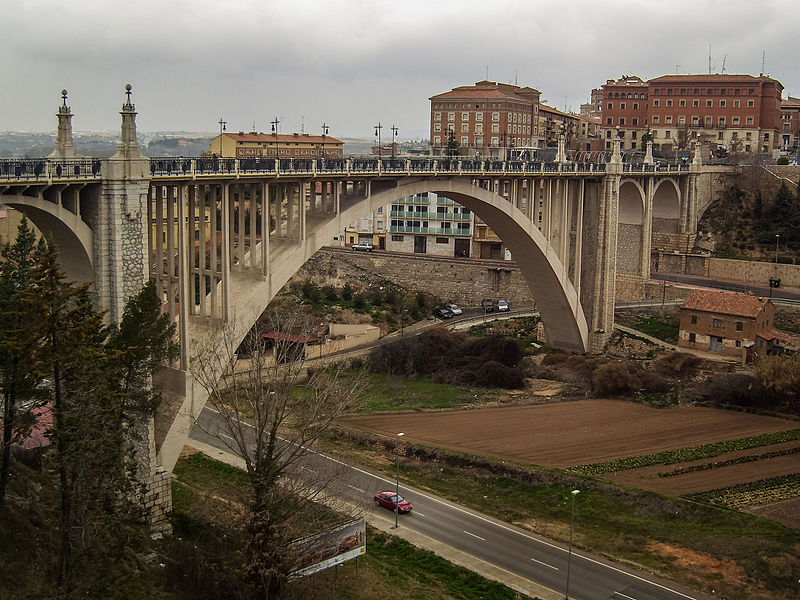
(71,235)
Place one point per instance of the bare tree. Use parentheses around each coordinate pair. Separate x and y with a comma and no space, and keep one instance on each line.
(273,406)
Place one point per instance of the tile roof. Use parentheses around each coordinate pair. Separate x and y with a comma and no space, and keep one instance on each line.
(282,138)
(713,78)
(784,338)
(726,303)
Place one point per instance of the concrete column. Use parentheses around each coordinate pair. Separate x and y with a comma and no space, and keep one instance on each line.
(265,226)
(65,146)
(602,319)
(185,250)
(647,229)
(301,206)
(579,238)
(225,267)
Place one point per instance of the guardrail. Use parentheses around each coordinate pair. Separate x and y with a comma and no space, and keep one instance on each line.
(45,169)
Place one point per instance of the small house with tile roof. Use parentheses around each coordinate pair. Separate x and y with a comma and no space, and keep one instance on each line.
(725,322)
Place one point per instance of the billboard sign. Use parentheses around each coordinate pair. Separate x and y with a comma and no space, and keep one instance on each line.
(318,552)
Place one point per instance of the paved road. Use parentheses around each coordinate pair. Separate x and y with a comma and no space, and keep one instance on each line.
(495,547)
(789,295)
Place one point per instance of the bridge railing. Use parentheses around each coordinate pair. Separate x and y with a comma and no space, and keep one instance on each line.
(45,169)
(363,166)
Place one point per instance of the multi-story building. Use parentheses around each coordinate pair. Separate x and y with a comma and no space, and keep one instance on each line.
(553,122)
(735,112)
(789,135)
(488,118)
(270,145)
(430,224)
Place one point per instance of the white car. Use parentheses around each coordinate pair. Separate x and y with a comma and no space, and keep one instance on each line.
(502,306)
(365,246)
(454,309)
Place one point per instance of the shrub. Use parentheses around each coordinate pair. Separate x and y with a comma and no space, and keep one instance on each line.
(359,301)
(616,377)
(347,292)
(331,293)
(677,363)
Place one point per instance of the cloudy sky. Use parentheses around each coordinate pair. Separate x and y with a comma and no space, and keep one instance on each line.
(354,63)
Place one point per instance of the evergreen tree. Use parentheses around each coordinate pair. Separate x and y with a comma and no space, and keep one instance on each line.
(452,145)
(18,343)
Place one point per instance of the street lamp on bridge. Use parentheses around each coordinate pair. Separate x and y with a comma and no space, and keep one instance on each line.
(394,137)
(378,128)
(275,124)
(222,125)
(324,133)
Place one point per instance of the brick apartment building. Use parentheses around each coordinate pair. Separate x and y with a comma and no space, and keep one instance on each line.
(266,145)
(732,324)
(489,118)
(734,112)
(790,126)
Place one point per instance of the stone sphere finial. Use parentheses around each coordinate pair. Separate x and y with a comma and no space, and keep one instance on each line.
(128,88)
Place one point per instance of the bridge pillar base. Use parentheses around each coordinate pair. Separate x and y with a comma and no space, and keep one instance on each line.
(598,340)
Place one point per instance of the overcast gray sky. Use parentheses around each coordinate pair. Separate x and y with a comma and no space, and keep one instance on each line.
(353,63)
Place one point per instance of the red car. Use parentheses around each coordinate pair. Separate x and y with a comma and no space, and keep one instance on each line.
(387,500)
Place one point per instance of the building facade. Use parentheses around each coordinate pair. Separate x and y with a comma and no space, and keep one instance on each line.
(489,119)
(736,113)
(789,135)
(266,145)
(724,322)
(430,224)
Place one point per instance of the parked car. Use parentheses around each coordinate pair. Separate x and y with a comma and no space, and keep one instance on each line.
(365,246)
(442,313)
(453,308)
(487,305)
(502,306)
(387,500)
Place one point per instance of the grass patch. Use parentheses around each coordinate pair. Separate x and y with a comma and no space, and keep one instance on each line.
(670,457)
(394,392)
(662,328)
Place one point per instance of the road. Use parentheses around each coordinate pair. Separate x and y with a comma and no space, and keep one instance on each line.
(788,295)
(494,547)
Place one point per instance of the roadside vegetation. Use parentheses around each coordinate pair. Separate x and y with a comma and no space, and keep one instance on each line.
(667,536)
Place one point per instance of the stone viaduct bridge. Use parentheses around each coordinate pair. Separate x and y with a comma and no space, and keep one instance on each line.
(220,237)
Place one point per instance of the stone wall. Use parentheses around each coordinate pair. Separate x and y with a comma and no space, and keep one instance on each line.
(629,249)
(754,272)
(464,282)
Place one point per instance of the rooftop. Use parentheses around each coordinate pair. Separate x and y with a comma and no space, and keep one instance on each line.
(726,303)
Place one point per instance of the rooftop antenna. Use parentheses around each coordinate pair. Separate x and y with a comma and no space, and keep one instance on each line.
(516,73)
(487,72)
(709,59)
(724,58)
(676,69)
(763,59)
(302,124)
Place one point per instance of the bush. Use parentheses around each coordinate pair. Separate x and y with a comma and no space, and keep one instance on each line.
(331,293)
(615,378)
(783,160)
(677,363)
(347,292)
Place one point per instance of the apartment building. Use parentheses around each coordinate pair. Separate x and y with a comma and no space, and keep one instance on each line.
(489,119)
(270,145)
(790,126)
(430,224)
(734,112)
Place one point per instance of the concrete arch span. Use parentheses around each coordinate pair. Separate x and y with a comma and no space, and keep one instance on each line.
(537,260)
(71,235)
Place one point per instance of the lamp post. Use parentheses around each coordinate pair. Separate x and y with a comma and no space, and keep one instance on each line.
(777,241)
(378,128)
(324,133)
(222,125)
(394,137)
(275,133)
(571,523)
(397,487)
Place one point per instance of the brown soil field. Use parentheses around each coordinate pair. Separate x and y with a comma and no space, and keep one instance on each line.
(565,434)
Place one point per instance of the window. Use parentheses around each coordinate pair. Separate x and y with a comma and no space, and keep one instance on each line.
(479,116)
(464,116)
(737,103)
(442,240)
(464,140)
(479,140)
(397,238)
(622,120)
(708,122)
(609,121)
(682,103)
(622,106)
(717,323)
(766,137)
(669,119)
(739,326)
(495,128)
(750,104)
(722,121)
(709,103)
(722,103)
(669,103)
(694,319)
(479,128)
(655,120)
(668,134)
(437,140)
(735,120)
(495,116)
(437,126)
(738,343)
(696,103)
(635,121)
(681,120)
(655,102)
(451,116)
(635,106)
(464,127)
(692,338)
(749,120)
(437,116)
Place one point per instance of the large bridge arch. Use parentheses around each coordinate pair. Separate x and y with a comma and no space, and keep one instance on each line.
(71,235)
(536,258)
(630,224)
(666,206)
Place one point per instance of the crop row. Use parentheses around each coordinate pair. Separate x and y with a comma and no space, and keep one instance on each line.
(755,493)
(731,461)
(690,453)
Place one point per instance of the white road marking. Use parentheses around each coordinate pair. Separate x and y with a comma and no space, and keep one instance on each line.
(352,487)
(475,536)
(544,563)
(623,595)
